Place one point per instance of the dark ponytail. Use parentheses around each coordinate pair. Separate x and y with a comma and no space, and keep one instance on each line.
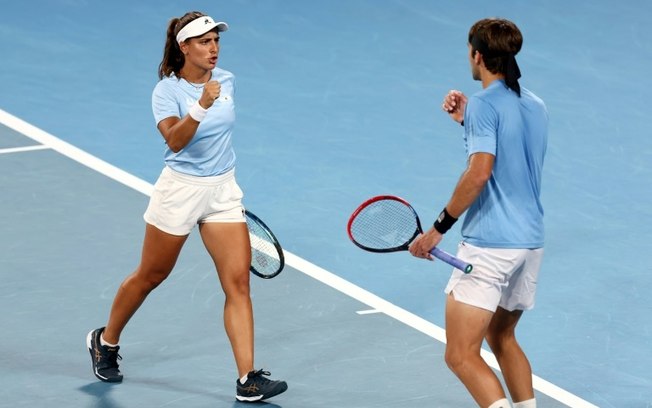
(173,58)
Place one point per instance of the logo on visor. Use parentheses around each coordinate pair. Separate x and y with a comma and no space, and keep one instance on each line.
(207,21)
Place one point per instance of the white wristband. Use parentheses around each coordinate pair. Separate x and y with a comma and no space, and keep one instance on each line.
(197,112)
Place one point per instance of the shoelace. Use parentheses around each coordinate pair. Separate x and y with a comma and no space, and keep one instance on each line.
(112,359)
(259,373)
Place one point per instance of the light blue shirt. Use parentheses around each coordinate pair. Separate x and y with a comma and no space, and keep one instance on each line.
(508,213)
(209,152)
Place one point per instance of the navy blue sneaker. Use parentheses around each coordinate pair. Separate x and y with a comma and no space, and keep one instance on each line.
(104,358)
(258,388)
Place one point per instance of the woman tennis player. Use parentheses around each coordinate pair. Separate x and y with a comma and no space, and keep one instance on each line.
(193,105)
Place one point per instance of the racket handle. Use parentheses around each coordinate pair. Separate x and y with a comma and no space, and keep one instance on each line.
(451,260)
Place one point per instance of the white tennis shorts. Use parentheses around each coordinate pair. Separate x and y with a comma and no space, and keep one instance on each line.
(502,277)
(181,201)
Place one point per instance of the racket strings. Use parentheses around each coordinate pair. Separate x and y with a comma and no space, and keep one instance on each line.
(265,257)
(384,224)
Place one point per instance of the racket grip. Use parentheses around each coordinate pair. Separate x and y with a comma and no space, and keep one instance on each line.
(451,260)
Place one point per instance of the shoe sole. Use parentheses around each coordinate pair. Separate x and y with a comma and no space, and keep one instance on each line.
(89,345)
(249,399)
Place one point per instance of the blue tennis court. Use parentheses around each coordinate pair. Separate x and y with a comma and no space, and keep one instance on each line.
(337,102)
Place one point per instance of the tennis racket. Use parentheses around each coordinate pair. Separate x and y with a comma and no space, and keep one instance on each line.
(267,258)
(389,224)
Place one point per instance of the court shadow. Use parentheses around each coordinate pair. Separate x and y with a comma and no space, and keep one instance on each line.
(101,391)
(261,404)
(169,385)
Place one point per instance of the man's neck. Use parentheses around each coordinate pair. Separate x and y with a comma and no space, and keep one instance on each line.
(487,78)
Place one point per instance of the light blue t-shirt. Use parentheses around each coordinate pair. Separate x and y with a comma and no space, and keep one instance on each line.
(508,213)
(209,152)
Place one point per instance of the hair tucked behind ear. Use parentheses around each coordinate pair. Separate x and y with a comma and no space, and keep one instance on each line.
(173,58)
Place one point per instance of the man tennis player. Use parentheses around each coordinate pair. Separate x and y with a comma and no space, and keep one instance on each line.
(505,132)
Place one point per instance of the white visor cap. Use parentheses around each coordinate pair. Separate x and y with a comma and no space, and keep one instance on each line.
(200,26)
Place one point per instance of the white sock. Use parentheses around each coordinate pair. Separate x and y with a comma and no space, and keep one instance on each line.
(531,403)
(502,403)
(244,379)
(106,343)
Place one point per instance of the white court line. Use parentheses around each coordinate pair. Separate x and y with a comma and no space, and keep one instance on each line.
(300,264)
(366,312)
(74,153)
(263,246)
(23,149)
